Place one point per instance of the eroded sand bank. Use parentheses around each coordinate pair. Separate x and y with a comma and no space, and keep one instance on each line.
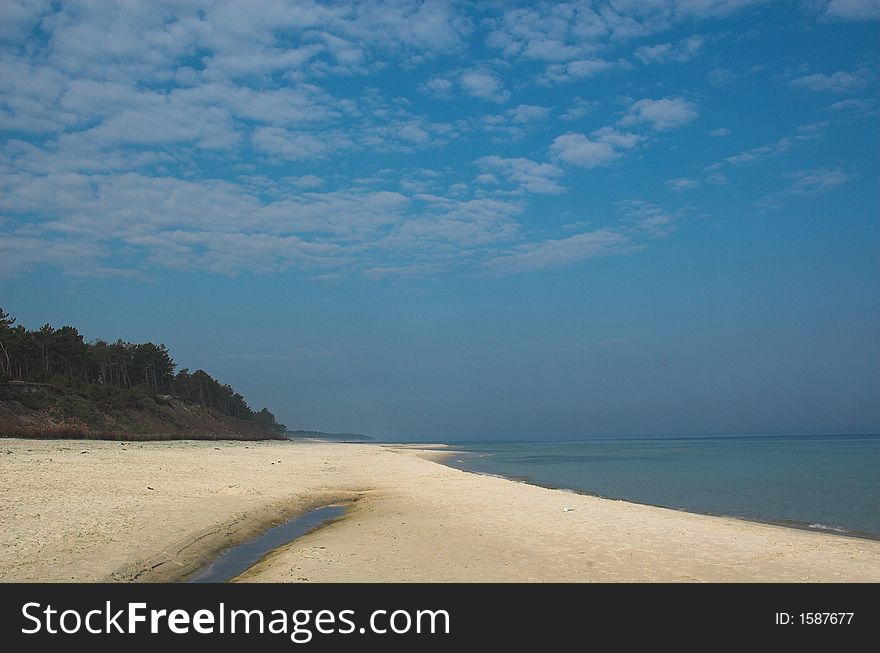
(157,511)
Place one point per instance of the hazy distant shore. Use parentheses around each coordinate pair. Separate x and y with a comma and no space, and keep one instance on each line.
(109,511)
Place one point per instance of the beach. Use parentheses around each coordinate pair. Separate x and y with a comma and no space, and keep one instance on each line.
(81,510)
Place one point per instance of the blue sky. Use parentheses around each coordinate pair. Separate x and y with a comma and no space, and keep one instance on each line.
(441,220)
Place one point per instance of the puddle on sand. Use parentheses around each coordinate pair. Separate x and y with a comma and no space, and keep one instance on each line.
(245,555)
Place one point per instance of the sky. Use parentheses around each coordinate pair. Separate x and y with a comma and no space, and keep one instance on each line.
(459,220)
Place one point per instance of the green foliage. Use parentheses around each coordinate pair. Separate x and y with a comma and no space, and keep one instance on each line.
(32,400)
(114,376)
(73,406)
(267,420)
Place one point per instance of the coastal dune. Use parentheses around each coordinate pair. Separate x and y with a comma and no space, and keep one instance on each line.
(158,511)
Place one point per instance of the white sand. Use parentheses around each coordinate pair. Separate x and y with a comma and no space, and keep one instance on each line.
(68,515)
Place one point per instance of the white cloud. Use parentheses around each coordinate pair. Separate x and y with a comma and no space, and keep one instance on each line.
(817,181)
(556,32)
(579,108)
(238,64)
(547,32)
(515,123)
(684,9)
(663,53)
(480,83)
(567,37)
(579,69)
(616,138)
(857,106)
(30,95)
(856,10)
(483,84)
(21,253)
(854,109)
(166,124)
(20,17)
(662,115)
(530,175)
(645,219)
(682,183)
(413,133)
(808,132)
(554,253)
(806,183)
(578,150)
(602,146)
(839,82)
(259,136)
(438,87)
(294,146)
(763,152)
(262,36)
(305,181)
(720,132)
(526,113)
(400,271)
(454,230)
(639,223)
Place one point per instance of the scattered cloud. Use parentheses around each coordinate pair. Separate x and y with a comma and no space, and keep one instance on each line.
(855,10)
(601,147)
(720,132)
(853,105)
(561,32)
(808,132)
(297,146)
(662,53)
(564,251)
(567,38)
(579,108)
(534,177)
(806,183)
(640,218)
(259,137)
(400,271)
(306,181)
(661,115)
(571,71)
(483,84)
(439,87)
(515,123)
(480,83)
(682,183)
(760,153)
(578,150)
(817,181)
(839,82)
(639,222)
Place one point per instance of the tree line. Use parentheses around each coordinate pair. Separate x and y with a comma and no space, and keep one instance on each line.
(62,356)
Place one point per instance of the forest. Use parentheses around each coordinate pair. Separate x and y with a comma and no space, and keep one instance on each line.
(62,358)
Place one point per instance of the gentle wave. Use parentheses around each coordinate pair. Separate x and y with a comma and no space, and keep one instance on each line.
(823,527)
(823,483)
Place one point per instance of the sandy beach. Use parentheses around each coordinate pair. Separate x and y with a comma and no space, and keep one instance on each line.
(108,511)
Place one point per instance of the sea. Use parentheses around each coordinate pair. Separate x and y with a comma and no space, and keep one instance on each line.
(826,482)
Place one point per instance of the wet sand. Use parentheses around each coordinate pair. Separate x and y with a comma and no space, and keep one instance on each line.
(159,511)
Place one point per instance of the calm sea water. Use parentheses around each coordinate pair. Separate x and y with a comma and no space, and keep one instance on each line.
(829,482)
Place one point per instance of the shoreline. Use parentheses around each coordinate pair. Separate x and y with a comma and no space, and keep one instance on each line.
(795,525)
(102,511)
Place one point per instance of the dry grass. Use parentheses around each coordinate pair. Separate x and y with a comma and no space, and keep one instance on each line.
(81,432)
